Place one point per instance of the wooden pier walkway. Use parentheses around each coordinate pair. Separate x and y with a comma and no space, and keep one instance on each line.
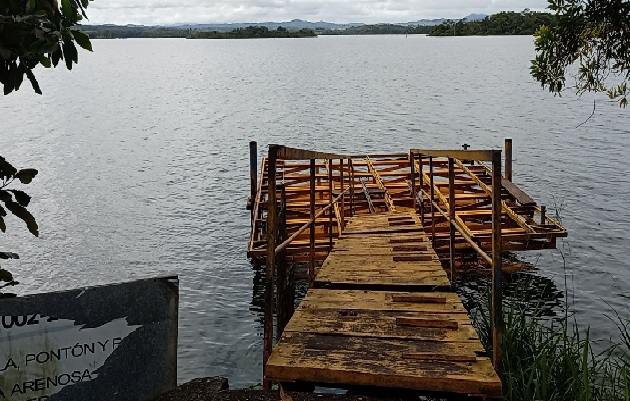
(381,313)
(383,236)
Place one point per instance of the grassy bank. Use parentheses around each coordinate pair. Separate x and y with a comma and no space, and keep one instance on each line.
(549,359)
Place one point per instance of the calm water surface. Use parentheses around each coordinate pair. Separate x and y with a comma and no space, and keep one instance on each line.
(142,152)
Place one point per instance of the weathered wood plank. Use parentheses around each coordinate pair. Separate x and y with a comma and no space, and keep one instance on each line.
(365,361)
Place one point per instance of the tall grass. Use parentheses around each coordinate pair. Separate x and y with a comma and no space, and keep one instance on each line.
(552,359)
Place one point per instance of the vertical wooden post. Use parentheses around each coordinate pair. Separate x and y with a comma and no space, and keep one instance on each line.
(283,308)
(342,207)
(253,173)
(351,187)
(412,167)
(331,211)
(311,265)
(543,215)
(421,188)
(272,214)
(451,216)
(497,296)
(508,159)
(432,197)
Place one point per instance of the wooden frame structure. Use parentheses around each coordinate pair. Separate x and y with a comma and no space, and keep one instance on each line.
(393,182)
(468,206)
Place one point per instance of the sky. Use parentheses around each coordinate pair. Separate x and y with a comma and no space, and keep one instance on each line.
(163,12)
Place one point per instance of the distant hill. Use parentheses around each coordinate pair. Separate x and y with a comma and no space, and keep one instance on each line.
(293,25)
(111,31)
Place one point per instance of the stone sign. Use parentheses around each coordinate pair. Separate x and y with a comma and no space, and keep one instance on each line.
(114,342)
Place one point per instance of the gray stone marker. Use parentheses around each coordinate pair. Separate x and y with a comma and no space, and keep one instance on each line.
(114,342)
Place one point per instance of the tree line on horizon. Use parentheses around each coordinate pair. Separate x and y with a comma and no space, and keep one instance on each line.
(525,22)
(252,32)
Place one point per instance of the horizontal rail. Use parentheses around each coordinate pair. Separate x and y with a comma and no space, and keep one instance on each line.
(488,191)
(485,155)
(288,241)
(472,243)
(287,153)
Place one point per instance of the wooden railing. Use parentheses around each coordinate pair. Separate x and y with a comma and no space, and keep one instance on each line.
(457,225)
(278,275)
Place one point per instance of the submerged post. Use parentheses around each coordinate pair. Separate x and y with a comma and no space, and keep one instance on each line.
(497,296)
(508,159)
(253,173)
(451,216)
(272,216)
(311,264)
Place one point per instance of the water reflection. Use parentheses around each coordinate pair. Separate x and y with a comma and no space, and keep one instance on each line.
(526,290)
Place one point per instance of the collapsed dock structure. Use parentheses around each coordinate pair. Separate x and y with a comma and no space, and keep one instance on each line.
(384,235)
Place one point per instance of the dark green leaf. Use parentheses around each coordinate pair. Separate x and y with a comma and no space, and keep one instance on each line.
(20,212)
(21,197)
(56,56)
(9,255)
(66,9)
(45,61)
(69,53)
(34,83)
(6,169)
(82,40)
(5,276)
(26,175)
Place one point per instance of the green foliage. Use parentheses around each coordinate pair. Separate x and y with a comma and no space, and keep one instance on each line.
(34,32)
(381,29)
(595,35)
(120,32)
(253,32)
(16,202)
(551,359)
(505,23)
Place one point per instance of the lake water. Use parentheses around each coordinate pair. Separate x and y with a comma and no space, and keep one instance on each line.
(143,157)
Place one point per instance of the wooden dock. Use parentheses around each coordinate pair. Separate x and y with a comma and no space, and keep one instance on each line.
(383,236)
(381,314)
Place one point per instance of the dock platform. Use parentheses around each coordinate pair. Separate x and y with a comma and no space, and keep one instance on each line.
(381,313)
(384,236)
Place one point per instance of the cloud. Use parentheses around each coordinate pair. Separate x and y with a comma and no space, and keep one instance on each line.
(341,11)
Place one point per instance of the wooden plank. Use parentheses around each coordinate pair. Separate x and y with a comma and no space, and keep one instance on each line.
(381,324)
(517,193)
(364,361)
(426,322)
(483,155)
(419,298)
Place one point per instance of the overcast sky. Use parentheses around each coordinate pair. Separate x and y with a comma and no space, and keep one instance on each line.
(151,12)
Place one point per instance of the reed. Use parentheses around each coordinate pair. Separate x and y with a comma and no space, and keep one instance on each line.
(552,359)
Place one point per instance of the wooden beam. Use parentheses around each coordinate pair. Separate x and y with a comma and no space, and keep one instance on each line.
(272,215)
(508,159)
(288,153)
(412,166)
(497,296)
(311,265)
(451,216)
(484,155)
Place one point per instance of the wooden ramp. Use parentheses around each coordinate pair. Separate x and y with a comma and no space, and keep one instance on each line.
(381,314)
